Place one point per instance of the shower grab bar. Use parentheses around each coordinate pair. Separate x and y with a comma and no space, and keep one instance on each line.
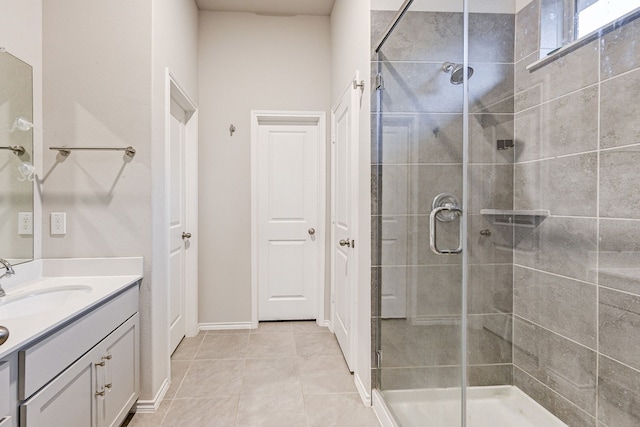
(18,150)
(433,235)
(65,151)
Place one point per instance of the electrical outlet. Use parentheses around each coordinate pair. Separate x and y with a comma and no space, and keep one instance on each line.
(25,223)
(58,223)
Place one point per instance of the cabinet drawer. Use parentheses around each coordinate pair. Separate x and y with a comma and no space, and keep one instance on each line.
(41,362)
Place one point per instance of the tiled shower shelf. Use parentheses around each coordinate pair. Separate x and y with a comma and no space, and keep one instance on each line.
(516,218)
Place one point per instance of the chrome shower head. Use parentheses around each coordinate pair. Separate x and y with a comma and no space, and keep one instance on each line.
(456,71)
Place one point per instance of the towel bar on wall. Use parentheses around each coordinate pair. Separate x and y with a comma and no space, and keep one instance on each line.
(18,150)
(65,151)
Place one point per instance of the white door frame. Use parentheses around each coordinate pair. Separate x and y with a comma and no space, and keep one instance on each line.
(319,119)
(173,90)
(354,93)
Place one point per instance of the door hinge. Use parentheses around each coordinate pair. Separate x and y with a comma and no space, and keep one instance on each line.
(379,82)
(379,358)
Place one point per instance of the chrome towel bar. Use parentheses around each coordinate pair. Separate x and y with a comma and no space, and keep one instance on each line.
(65,151)
(18,150)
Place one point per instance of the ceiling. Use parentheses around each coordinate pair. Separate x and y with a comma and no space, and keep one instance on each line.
(270,7)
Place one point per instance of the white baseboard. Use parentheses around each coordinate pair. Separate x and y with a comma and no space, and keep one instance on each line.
(151,406)
(224,325)
(365,395)
(329,325)
(382,411)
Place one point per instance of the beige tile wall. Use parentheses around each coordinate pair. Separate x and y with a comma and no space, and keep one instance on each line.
(576,291)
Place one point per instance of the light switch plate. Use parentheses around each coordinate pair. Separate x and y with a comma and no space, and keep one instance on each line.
(58,223)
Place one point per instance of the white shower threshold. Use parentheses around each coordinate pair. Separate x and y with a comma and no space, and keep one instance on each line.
(498,406)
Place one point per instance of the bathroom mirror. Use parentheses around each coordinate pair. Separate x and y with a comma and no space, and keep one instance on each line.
(16,159)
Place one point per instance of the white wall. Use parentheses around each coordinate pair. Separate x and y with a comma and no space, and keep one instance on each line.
(247,62)
(21,30)
(104,65)
(21,35)
(97,58)
(350,51)
(175,48)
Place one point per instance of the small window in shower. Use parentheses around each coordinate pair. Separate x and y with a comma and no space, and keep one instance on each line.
(594,14)
(575,22)
(556,25)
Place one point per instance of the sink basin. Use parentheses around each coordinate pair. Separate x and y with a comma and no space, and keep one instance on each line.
(41,300)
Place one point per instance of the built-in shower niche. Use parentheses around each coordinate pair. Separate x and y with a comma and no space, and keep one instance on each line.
(516,218)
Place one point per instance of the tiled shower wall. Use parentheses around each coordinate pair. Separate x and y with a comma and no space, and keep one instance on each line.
(420,156)
(573,280)
(576,275)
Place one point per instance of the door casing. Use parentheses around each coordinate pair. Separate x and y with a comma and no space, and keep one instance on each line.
(283,117)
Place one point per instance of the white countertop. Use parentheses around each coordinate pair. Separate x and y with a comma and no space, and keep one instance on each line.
(99,280)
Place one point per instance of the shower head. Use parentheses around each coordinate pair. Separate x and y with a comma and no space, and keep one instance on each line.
(456,71)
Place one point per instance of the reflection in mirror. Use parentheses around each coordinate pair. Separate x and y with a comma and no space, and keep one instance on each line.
(16,159)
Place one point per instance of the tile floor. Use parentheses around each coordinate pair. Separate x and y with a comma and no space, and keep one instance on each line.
(284,374)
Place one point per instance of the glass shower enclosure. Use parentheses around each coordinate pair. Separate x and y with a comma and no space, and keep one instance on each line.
(505,221)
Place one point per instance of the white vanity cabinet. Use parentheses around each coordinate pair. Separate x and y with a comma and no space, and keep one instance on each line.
(7,390)
(85,374)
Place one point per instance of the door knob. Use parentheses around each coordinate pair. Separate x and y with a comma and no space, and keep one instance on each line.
(344,242)
(312,231)
(186,236)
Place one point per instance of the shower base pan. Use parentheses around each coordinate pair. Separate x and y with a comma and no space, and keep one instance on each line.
(500,406)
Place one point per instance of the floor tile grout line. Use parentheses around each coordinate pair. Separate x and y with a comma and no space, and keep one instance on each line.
(306,352)
(235,418)
(164,417)
(181,382)
(306,412)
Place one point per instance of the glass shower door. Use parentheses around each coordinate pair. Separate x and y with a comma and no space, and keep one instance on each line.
(530,324)
(489,214)
(418,168)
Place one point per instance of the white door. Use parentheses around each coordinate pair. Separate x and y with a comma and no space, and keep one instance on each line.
(344,133)
(289,237)
(177,243)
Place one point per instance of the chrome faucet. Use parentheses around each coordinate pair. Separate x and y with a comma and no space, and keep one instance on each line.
(9,272)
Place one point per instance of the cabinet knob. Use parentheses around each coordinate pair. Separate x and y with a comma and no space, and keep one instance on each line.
(100,393)
(4,334)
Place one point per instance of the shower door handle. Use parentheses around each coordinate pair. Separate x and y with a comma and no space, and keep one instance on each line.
(433,235)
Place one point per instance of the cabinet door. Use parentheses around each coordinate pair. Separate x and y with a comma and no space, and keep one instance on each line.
(5,391)
(121,373)
(68,400)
